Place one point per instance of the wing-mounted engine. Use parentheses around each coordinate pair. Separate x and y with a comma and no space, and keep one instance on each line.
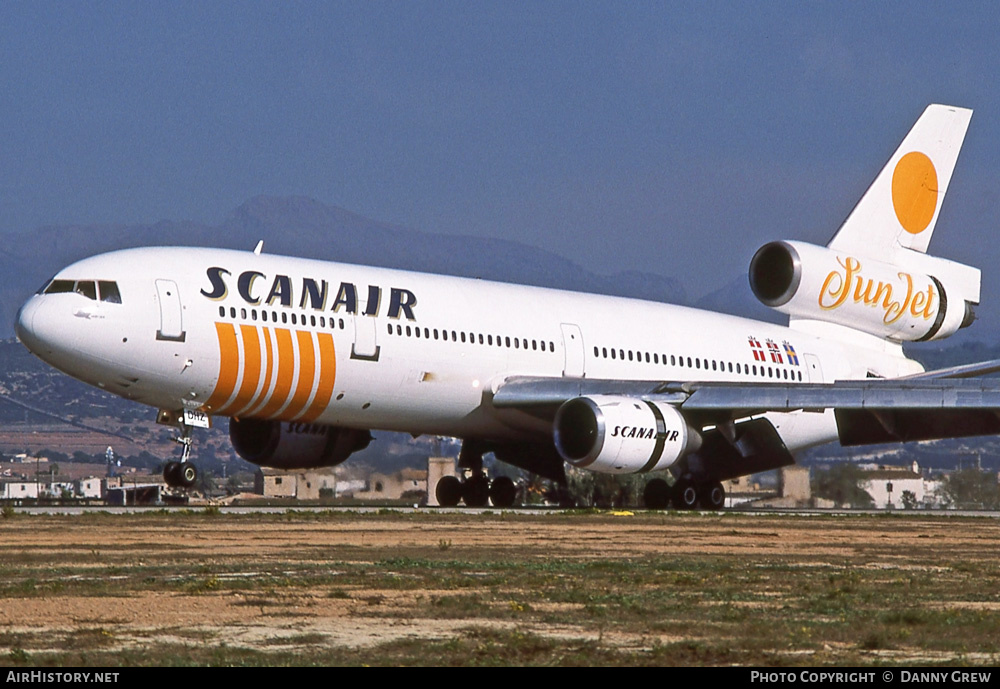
(914,298)
(622,435)
(294,445)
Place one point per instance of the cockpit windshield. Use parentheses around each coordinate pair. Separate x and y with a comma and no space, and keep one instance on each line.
(88,288)
(109,292)
(58,286)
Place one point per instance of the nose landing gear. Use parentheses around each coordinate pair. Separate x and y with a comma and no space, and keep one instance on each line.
(182,473)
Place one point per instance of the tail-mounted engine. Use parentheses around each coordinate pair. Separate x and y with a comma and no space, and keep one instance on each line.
(622,435)
(294,445)
(915,298)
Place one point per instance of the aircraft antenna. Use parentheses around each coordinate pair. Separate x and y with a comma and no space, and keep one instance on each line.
(257,249)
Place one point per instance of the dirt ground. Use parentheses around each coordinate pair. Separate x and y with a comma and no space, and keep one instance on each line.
(114,584)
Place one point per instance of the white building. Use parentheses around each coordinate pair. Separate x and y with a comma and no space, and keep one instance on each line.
(13,490)
(89,487)
(302,485)
(887,486)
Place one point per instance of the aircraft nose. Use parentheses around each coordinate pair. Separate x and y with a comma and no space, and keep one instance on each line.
(24,324)
(41,327)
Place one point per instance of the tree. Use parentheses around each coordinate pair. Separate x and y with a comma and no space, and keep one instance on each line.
(205,483)
(595,489)
(580,485)
(841,484)
(971,489)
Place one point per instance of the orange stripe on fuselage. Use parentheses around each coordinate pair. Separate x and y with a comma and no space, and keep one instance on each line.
(268,368)
(286,370)
(327,376)
(251,370)
(307,372)
(229,366)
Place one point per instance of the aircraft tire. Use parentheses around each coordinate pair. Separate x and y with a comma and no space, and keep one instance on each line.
(448,491)
(171,474)
(476,491)
(713,496)
(685,495)
(503,492)
(656,494)
(188,474)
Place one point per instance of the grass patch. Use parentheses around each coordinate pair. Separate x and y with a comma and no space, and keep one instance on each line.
(582,588)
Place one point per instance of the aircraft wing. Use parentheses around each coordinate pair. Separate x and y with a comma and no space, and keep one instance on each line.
(937,404)
(737,399)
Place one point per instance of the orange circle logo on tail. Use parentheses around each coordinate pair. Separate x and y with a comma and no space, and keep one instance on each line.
(914,192)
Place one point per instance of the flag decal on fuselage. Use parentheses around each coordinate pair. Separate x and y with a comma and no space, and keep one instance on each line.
(772,348)
(793,358)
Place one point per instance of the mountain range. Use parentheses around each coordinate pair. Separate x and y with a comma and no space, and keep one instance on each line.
(301,226)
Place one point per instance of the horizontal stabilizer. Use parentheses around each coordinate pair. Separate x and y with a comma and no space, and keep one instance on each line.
(980,368)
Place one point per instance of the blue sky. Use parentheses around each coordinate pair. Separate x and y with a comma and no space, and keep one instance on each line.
(667,137)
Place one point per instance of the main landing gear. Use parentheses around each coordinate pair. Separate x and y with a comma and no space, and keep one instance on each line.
(685,494)
(475,489)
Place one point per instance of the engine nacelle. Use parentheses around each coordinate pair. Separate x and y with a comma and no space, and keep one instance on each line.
(887,300)
(291,445)
(622,435)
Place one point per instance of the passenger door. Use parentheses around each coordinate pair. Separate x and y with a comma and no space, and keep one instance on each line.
(171,312)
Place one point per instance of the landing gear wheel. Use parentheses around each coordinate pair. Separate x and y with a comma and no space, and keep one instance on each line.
(503,492)
(685,495)
(448,491)
(171,474)
(182,474)
(187,473)
(713,496)
(476,491)
(656,495)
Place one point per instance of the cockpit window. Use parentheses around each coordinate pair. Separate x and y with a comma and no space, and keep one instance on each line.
(109,292)
(45,286)
(87,288)
(59,286)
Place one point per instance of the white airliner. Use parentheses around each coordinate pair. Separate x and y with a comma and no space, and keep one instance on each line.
(306,357)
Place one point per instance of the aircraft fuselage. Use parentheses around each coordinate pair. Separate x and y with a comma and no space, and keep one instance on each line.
(270,337)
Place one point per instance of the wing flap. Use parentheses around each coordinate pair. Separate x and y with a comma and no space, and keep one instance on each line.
(869,426)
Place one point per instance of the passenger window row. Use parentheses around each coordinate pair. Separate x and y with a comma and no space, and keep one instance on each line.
(471,338)
(283,317)
(397,329)
(774,372)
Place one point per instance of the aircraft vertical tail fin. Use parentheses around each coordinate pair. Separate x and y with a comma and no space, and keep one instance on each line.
(901,207)
(875,276)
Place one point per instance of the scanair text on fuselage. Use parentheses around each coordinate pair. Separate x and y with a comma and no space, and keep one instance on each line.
(256,289)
